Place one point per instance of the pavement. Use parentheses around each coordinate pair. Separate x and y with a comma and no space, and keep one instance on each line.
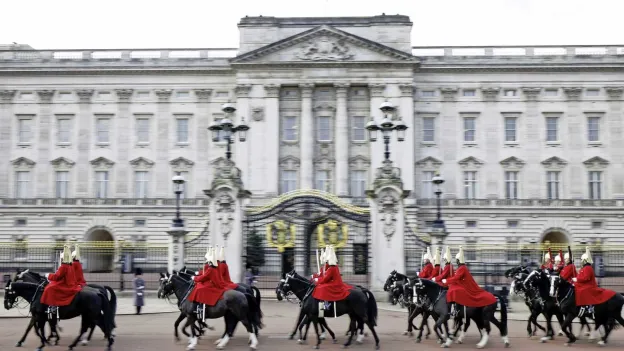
(154,332)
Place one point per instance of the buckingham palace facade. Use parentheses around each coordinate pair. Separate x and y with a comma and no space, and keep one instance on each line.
(529,140)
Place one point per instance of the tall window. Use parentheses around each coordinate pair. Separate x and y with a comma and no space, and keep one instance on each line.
(358,183)
(141,184)
(324,128)
(63,133)
(510,129)
(143,130)
(470,185)
(24,127)
(289,128)
(359,128)
(470,125)
(552,128)
(289,181)
(553,179)
(593,128)
(182,130)
(101,184)
(62,184)
(429,129)
(22,184)
(511,185)
(102,130)
(427,185)
(595,185)
(185,188)
(323,181)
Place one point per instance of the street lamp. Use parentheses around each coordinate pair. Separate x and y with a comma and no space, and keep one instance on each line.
(227,127)
(386,127)
(438,224)
(178,188)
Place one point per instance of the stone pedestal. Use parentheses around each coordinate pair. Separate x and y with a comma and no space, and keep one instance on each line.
(176,248)
(226,215)
(388,224)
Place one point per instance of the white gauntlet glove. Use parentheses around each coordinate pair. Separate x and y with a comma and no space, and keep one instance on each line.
(443,281)
(47,275)
(433,280)
(574,280)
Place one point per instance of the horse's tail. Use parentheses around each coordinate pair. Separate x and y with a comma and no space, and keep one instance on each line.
(107,315)
(371,307)
(257,295)
(503,315)
(254,313)
(113,305)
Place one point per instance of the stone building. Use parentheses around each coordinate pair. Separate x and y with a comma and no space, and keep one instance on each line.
(528,139)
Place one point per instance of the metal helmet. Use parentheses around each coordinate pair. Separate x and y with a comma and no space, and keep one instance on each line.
(436,257)
(460,255)
(66,254)
(427,256)
(586,257)
(222,254)
(76,253)
(332,260)
(208,253)
(447,255)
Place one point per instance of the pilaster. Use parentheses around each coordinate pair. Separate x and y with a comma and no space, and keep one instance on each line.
(576,139)
(342,140)
(615,130)
(6,138)
(163,142)
(85,133)
(44,142)
(377,96)
(307,137)
(202,169)
(448,131)
(405,151)
(490,142)
(124,140)
(266,150)
(534,141)
(242,155)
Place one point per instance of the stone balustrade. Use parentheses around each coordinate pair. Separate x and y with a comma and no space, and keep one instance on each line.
(113,55)
(102,202)
(538,51)
(571,203)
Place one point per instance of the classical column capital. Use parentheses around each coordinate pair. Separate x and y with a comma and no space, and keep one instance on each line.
(163,94)
(377,90)
(124,95)
(490,93)
(203,94)
(449,93)
(45,95)
(573,93)
(6,96)
(407,89)
(272,90)
(242,90)
(531,93)
(84,95)
(341,89)
(614,92)
(306,90)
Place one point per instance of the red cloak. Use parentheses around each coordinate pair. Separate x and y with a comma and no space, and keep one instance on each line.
(426,271)
(321,273)
(330,286)
(435,272)
(447,272)
(548,266)
(77,266)
(62,288)
(465,291)
(568,272)
(225,275)
(207,289)
(586,288)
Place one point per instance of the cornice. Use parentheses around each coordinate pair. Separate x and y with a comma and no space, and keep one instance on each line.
(84,95)
(163,94)
(6,96)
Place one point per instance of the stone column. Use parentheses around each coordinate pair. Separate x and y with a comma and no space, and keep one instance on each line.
(241,152)
(175,259)
(124,140)
(405,150)
(447,126)
(307,137)
(376,98)
(202,165)
(574,136)
(614,129)
(491,142)
(6,138)
(534,141)
(342,140)
(388,223)
(264,163)
(85,134)
(46,127)
(163,142)
(226,214)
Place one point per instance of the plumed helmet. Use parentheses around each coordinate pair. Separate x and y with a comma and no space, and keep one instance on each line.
(222,254)
(210,257)
(566,257)
(586,257)
(66,254)
(208,253)
(447,255)
(332,260)
(546,257)
(436,257)
(327,254)
(322,256)
(216,253)
(76,253)
(427,255)
(558,258)
(460,255)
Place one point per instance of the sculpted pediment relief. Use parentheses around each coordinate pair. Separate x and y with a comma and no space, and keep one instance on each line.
(141,162)
(102,162)
(62,162)
(324,44)
(554,162)
(596,162)
(512,162)
(471,162)
(429,162)
(23,162)
(181,162)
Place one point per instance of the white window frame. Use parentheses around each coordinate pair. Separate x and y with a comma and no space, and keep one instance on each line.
(141,184)
(290,132)
(512,183)
(467,129)
(508,131)
(323,181)
(63,137)
(61,184)
(22,186)
(25,129)
(595,184)
(427,190)
(429,131)
(101,185)
(427,93)
(471,186)
(358,183)
(510,93)
(358,128)
(142,136)
(288,181)
(469,92)
(319,131)
(553,185)
(549,132)
(183,136)
(595,137)
(551,92)
(100,131)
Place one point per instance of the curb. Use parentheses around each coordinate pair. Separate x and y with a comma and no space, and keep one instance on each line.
(118,314)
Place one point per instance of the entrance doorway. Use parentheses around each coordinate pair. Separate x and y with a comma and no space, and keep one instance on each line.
(556,239)
(99,253)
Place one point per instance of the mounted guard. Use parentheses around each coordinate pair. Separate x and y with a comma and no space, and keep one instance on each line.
(63,286)
(323,263)
(547,262)
(207,289)
(559,262)
(427,269)
(436,264)
(330,287)
(569,270)
(77,266)
(447,272)
(586,288)
(224,270)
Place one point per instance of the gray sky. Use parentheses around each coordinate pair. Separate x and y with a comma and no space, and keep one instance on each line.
(71,24)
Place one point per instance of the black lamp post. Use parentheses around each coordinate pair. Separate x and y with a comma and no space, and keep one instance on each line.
(178,187)
(227,127)
(438,225)
(386,127)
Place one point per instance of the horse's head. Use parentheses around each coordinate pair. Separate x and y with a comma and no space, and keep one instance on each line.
(390,280)
(10,296)
(555,283)
(166,287)
(161,282)
(28,276)
(517,284)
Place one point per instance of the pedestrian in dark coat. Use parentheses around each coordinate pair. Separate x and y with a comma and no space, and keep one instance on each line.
(139,290)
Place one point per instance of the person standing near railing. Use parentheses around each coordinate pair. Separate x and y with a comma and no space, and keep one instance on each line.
(139,290)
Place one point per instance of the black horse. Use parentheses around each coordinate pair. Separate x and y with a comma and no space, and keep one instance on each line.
(531,299)
(91,305)
(234,306)
(415,308)
(394,285)
(360,305)
(606,314)
(482,316)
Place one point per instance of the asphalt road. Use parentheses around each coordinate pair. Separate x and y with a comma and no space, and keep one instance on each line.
(155,332)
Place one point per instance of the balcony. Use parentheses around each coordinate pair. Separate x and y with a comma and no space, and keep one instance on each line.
(92,202)
(561,203)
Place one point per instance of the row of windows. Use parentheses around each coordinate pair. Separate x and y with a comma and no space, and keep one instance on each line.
(552,128)
(62,222)
(324,128)
(548,92)
(107,95)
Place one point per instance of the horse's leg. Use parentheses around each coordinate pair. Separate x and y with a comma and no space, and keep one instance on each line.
(323,323)
(30,325)
(485,328)
(303,322)
(190,320)
(176,324)
(298,325)
(85,341)
(352,318)
(567,323)
(304,335)
(426,323)
(410,311)
(40,324)
(316,329)
(84,326)
(421,330)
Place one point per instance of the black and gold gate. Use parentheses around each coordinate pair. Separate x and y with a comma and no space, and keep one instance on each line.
(286,233)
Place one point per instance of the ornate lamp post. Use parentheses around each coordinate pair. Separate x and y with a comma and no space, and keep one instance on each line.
(177,230)
(386,127)
(438,228)
(178,189)
(227,127)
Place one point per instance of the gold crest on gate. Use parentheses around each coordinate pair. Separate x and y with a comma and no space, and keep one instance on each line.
(332,233)
(276,235)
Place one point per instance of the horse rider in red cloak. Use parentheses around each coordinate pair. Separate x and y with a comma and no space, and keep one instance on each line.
(569,270)
(325,266)
(558,266)
(208,289)
(63,286)
(436,264)
(224,270)
(463,289)
(587,292)
(77,266)
(330,287)
(427,270)
(447,272)
(547,262)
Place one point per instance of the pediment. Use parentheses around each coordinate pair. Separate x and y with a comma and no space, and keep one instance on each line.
(596,161)
(289,160)
(429,162)
(62,162)
(554,162)
(512,161)
(359,160)
(181,162)
(470,161)
(323,44)
(142,162)
(102,162)
(23,162)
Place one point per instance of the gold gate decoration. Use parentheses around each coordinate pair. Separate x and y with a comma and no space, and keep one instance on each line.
(281,229)
(332,229)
